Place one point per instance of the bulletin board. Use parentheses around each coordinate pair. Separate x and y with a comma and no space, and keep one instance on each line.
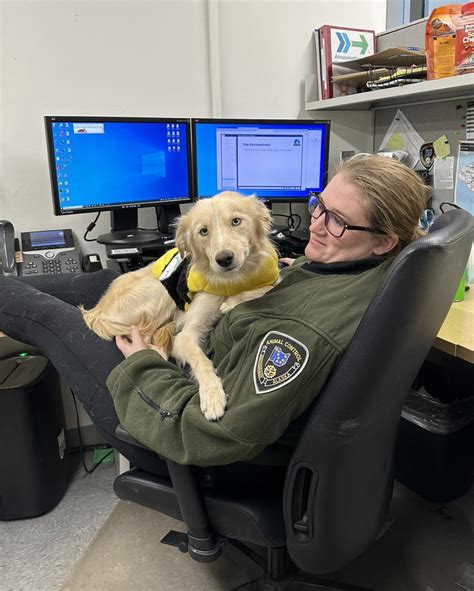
(432,121)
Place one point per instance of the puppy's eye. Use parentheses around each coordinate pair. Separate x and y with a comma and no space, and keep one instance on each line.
(236,222)
(204,231)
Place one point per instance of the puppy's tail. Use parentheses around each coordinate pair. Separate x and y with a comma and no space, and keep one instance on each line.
(107,329)
(104,327)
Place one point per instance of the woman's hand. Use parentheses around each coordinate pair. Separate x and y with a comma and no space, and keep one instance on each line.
(131,345)
(286,261)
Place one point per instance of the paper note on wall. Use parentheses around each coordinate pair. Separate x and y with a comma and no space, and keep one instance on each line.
(401,135)
(443,173)
(441,147)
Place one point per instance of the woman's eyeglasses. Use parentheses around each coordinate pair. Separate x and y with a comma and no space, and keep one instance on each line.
(335,225)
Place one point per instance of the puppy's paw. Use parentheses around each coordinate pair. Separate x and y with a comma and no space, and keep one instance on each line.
(213,401)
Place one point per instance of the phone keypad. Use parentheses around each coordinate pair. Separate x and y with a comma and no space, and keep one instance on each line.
(63,262)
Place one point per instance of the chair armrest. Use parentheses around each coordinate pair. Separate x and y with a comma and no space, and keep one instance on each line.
(122,434)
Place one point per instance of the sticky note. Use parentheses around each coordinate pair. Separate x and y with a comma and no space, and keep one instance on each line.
(441,147)
(396,142)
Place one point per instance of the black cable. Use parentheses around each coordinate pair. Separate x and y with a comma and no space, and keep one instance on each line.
(450,205)
(283,215)
(291,223)
(90,227)
(81,446)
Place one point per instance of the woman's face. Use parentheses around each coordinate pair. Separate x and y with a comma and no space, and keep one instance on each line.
(342,197)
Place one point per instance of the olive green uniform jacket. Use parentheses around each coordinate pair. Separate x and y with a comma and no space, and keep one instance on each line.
(273,354)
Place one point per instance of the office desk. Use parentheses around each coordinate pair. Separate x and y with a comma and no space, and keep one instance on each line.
(456,336)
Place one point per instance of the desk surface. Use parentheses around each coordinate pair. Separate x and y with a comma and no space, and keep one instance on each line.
(456,336)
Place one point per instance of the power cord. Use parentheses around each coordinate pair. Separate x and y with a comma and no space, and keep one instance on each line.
(448,203)
(291,223)
(90,227)
(81,446)
(290,220)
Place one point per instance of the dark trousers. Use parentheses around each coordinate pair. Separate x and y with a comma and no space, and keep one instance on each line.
(42,311)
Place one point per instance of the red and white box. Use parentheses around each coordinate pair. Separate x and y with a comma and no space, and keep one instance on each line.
(339,45)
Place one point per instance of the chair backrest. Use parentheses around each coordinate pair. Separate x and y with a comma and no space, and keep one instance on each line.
(340,479)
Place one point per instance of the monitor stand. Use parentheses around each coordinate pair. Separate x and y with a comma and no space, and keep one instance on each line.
(124,228)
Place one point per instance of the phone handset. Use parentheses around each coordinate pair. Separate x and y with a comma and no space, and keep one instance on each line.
(7,248)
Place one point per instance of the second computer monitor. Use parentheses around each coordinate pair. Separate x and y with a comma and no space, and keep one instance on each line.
(278,160)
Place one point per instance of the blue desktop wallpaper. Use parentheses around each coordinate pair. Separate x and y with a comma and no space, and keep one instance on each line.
(205,158)
(100,164)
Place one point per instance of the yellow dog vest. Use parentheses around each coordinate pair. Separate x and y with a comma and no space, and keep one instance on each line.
(265,274)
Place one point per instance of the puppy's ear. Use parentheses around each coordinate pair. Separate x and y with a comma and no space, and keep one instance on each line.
(182,235)
(262,217)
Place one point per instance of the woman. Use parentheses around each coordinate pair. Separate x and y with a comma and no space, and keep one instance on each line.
(273,354)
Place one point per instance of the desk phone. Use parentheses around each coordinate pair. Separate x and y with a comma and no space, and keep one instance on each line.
(49,252)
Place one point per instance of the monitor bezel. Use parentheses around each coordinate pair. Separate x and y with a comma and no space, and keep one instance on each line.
(58,211)
(235,121)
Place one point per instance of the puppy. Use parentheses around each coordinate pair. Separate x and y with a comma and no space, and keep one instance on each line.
(225,257)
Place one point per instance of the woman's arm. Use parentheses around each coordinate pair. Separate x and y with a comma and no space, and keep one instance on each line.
(159,405)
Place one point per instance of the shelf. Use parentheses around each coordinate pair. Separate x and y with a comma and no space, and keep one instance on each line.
(457,87)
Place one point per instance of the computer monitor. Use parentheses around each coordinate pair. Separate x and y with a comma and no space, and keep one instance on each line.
(279,160)
(120,164)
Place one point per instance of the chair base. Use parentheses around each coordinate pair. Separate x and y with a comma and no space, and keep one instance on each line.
(294,584)
(279,574)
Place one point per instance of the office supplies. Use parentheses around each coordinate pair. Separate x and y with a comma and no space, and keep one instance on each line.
(441,147)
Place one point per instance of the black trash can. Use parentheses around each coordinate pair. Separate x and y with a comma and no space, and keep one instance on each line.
(435,447)
(34,459)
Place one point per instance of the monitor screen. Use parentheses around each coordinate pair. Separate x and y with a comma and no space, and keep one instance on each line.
(107,163)
(277,160)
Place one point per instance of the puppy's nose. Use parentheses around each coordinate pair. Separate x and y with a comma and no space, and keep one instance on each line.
(225,258)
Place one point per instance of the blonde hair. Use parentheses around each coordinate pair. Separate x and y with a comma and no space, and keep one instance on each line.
(393,195)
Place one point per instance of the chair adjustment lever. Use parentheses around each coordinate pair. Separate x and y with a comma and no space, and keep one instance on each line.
(301,525)
(201,550)
(177,539)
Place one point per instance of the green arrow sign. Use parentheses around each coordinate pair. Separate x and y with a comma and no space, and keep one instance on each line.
(362,44)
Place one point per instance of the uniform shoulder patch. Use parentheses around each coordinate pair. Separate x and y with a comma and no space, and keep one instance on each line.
(280,359)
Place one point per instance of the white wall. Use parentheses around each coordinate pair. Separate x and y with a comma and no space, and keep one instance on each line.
(90,58)
(147,58)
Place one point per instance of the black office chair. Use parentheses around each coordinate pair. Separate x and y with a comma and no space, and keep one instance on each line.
(339,481)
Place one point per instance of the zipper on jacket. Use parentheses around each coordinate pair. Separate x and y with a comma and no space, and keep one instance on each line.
(164,414)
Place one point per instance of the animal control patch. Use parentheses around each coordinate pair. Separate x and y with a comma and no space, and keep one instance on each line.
(280,359)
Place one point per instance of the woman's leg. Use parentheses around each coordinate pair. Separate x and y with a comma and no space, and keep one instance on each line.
(75,289)
(82,359)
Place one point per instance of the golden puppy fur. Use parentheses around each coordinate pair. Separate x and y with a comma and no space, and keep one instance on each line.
(227,225)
